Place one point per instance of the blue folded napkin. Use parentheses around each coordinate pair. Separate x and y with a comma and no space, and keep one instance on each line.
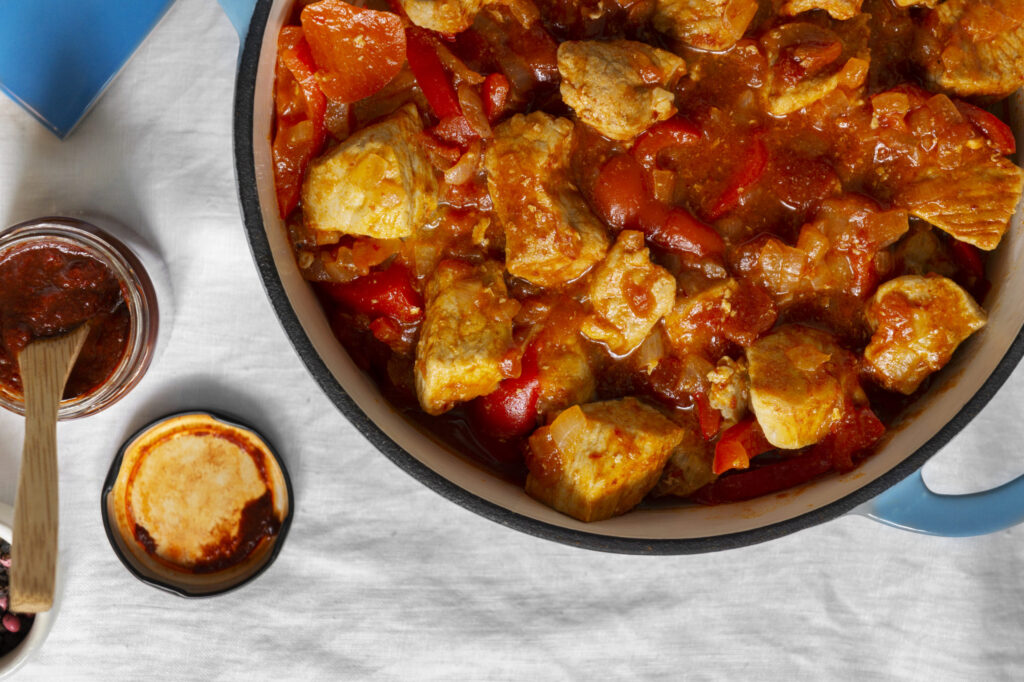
(58,56)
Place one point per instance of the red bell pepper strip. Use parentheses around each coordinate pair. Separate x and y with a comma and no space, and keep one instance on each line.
(674,131)
(620,192)
(738,445)
(622,198)
(743,178)
(511,409)
(969,259)
(677,230)
(997,132)
(358,50)
(495,93)
(301,107)
(430,74)
(709,418)
(764,480)
(382,293)
(454,130)
(296,56)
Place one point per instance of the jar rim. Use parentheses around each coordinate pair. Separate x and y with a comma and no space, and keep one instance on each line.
(136,288)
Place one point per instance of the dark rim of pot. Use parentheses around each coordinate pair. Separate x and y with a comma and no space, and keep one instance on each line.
(115,468)
(245,91)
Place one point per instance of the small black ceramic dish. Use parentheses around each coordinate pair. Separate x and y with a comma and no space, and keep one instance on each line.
(197,504)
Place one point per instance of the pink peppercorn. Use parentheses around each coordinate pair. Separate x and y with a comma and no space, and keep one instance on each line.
(11,622)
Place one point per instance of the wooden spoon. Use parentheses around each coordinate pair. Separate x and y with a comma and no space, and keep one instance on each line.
(45,365)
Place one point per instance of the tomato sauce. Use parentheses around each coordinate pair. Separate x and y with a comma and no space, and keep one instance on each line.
(50,288)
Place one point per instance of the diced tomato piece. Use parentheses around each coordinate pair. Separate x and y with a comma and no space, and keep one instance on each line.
(677,230)
(674,131)
(430,74)
(738,445)
(997,132)
(341,35)
(386,330)
(300,106)
(752,314)
(454,130)
(755,159)
(511,409)
(709,418)
(381,293)
(620,193)
(857,431)
(764,480)
(496,89)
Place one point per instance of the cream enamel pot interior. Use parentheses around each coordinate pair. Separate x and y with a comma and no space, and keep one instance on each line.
(980,367)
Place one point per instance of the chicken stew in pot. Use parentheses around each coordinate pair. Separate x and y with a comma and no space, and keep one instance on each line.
(619,250)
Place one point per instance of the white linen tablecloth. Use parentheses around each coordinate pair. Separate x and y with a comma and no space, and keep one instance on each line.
(381,578)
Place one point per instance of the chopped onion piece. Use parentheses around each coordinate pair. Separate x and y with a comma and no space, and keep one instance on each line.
(651,351)
(462,73)
(567,428)
(525,13)
(466,167)
(473,110)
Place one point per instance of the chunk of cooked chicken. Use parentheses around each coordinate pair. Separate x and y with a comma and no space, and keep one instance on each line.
(618,87)
(974,47)
(807,62)
(730,389)
(916,3)
(446,16)
(838,9)
(629,295)
(834,253)
(801,383)
(564,374)
(378,183)
(973,201)
(466,338)
(727,311)
(689,467)
(687,324)
(551,235)
(706,24)
(918,322)
(598,460)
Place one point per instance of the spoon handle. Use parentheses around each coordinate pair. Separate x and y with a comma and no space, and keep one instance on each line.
(45,366)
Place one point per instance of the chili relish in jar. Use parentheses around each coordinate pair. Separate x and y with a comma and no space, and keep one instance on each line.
(58,273)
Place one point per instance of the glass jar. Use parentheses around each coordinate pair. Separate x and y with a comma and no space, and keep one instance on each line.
(136,288)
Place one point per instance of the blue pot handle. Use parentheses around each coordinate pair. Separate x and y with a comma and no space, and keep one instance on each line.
(239,12)
(910,505)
